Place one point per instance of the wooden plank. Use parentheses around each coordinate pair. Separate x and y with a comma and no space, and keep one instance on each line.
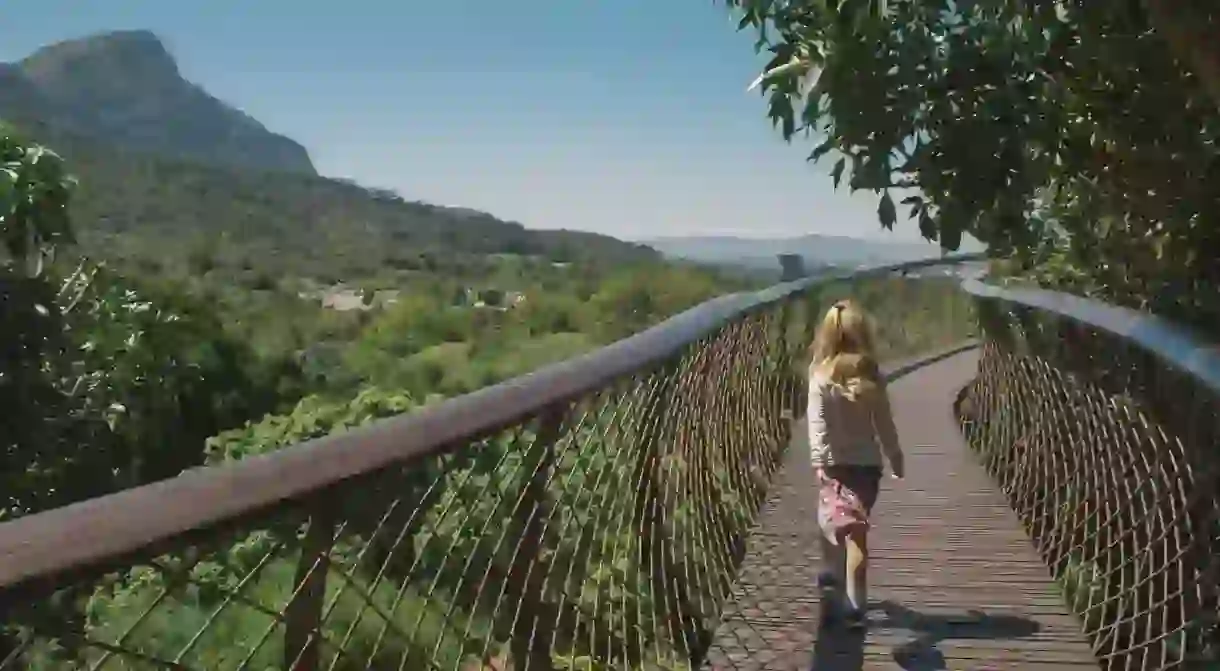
(954,581)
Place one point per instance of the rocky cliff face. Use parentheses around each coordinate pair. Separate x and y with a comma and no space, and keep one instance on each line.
(124,88)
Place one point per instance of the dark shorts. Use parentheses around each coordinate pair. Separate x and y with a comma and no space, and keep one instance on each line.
(864,481)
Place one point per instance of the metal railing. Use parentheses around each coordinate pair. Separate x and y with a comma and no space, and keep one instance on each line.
(591,515)
(1100,425)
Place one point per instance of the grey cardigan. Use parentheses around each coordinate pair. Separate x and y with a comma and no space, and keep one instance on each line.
(843,431)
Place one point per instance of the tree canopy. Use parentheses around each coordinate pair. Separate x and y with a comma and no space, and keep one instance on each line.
(110,381)
(1077,138)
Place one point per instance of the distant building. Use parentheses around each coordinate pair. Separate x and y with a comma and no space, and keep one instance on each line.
(493,299)
(344,299)
(792,266)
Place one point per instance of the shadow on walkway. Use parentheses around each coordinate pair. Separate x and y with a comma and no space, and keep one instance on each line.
(922,654)
(839,649)
(836,648)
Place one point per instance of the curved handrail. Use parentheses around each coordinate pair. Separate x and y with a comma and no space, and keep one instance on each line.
(1173,343)
(105,530)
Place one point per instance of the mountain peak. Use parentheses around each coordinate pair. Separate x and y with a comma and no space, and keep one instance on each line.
(134,53)
(124,87)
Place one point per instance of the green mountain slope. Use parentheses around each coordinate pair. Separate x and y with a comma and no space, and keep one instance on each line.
(134,205)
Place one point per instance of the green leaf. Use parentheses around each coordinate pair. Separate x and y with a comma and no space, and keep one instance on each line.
(821,150)
(927,227)
(885,212)
(950,237)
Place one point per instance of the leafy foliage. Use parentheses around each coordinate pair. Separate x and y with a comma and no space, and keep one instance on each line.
(109,383)
(1078,138)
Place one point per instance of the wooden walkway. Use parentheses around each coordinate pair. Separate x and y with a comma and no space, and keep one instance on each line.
(954,582)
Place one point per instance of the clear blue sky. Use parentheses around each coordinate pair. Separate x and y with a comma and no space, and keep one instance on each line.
(628,117)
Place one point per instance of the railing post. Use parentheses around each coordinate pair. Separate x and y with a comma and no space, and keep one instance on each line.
(533,624)
(303,614)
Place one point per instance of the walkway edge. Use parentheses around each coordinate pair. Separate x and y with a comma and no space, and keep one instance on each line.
(895,371)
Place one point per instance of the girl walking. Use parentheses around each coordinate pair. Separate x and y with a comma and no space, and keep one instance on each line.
(851,436)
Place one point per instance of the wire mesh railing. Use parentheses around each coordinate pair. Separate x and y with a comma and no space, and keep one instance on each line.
(588,516)
(1100,425)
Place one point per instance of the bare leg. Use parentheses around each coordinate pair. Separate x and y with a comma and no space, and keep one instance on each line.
(857,569)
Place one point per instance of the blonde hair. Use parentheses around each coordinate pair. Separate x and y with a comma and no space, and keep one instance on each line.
(842,351)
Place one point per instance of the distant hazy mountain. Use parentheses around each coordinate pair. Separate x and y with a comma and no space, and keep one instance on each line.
(818,250)
(124,88)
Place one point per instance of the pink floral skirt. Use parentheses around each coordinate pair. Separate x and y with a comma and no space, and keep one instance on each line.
(846,496)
